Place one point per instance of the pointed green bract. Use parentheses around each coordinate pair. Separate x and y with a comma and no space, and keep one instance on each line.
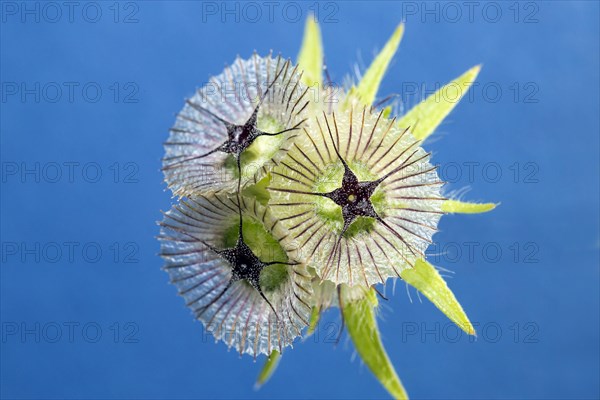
(314,320)
(268,369)
(455,206)
(387,112)
(359,316)
(426,116)
(310,58)
(369,84)
(425,278)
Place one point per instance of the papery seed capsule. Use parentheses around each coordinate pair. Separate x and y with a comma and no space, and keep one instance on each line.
(235,125)
(358,195)
(234,272)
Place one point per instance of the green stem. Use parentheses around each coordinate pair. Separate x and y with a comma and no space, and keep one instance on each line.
(358,309)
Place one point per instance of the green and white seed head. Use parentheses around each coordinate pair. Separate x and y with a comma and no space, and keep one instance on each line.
(358,195)
(235,125)
(247,287)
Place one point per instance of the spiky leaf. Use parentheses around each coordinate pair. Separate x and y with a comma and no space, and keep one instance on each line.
(367,88)
(314,321)
(455,206)
(428,281)
(267,371)
(310,58)
(426,116)
(359,315)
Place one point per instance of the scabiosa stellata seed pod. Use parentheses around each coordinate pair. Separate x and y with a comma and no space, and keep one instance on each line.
(235,273)
(234,126)
(358,195)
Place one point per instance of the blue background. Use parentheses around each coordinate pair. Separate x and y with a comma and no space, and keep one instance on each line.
(544,298)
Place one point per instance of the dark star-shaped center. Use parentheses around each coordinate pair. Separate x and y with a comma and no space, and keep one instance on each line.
(354,197)
(245,265)
(239,137)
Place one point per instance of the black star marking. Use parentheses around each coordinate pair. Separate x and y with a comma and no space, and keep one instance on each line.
(354,197)
(245,265)
(239,137)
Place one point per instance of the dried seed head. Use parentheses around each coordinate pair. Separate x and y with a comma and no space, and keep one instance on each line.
(234,126)
(231,267)
(359,196)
